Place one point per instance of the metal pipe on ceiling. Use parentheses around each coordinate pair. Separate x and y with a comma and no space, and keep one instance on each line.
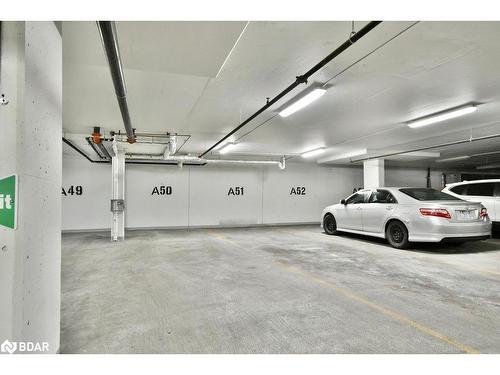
(70,144)
(159,159)
(301,79)
(454,143)
(107,31)
(182,159)
(94,147)
(142,162)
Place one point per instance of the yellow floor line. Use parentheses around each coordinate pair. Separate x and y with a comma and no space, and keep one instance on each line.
(480,270)
(385,311)
(356,297)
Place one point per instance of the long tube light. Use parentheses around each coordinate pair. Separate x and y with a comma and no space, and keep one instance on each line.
(303,102)
(227,148)
(442,116)
(453,159)
(489,166)
(314,152)
(346,155)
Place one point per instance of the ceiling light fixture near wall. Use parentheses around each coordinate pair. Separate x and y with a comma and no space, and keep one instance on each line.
(228,147)
(314,152)
(347,155)
(453,159)
(302,102)
(442,116)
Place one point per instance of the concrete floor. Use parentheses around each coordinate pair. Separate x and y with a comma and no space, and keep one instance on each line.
(276,290)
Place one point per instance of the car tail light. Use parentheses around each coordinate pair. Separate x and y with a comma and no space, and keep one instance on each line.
(484,213)
(437,212)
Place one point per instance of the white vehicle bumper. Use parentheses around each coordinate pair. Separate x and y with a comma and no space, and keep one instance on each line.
(438,229)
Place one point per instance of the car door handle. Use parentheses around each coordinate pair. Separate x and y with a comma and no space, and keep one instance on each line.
(359,208)
(389,208)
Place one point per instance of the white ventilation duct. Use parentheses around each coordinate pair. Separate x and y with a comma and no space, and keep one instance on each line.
(171,149)
(194,159)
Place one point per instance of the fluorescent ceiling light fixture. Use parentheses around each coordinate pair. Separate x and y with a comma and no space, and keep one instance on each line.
(420,154)
(314,152)
(227,148)
(442,116)
(453,159)
(489,166)
(347,155)
(303,102)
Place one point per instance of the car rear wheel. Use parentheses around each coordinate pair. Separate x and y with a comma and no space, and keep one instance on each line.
(330,224)
(397,235)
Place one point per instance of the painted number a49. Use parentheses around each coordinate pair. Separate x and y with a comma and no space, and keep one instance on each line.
(72,190)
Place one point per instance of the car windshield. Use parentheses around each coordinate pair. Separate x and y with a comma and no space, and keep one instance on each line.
(422,194)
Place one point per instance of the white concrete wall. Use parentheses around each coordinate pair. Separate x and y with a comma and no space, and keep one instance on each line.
(31,147)
(200,194)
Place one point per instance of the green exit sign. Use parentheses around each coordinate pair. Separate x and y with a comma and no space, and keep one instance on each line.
(8,202)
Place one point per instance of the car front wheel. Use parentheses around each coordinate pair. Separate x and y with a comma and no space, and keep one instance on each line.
(397,235)
(329,224)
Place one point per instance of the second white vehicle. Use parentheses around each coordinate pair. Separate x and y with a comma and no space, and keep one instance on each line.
(485,191)
(404,215)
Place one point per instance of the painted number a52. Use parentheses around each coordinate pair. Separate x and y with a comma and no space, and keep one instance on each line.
(238,190)
(72,190)
(298,190)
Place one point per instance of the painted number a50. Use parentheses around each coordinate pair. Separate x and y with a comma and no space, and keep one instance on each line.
(72,190)
(162,190)
(238,190)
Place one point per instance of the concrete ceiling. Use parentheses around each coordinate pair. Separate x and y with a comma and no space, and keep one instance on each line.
(177,81)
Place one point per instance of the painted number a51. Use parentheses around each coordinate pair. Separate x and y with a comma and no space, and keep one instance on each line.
(238,190)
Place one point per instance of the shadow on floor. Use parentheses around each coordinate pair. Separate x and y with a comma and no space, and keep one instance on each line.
(470,247)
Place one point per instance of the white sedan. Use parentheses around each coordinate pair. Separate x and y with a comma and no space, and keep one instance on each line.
(403,215)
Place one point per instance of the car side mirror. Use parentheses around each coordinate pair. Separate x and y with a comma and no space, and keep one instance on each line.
(342,201)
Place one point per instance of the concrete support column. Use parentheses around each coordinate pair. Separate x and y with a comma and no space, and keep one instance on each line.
(118,194)
(31,148)
(373,173)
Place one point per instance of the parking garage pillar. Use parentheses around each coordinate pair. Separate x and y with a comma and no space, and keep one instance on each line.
(373,173)
(31,149)
(118,194)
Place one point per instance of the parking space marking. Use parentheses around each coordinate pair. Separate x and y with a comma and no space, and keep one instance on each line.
(420,256)
(374,306)
(384,311)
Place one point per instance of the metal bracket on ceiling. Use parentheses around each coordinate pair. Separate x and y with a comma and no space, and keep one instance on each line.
(301,79)
(353,32)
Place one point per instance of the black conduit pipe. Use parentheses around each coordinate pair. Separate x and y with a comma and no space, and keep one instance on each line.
(107,31)
(302,79)
(91,144)
(70,144)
